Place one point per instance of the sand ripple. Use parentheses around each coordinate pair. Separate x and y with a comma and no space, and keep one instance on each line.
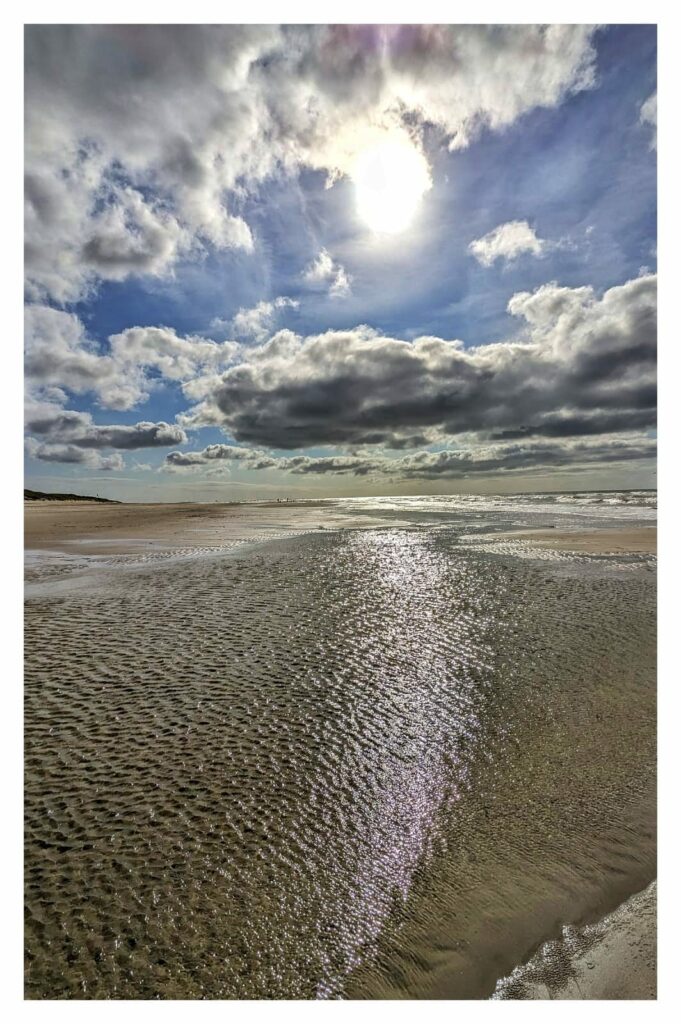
(252,775)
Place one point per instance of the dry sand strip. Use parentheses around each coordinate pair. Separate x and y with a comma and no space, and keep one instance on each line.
(613,959)
(630,540)
(55,525)
(50,524)
(93,529)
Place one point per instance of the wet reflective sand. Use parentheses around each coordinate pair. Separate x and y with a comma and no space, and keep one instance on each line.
(377,763)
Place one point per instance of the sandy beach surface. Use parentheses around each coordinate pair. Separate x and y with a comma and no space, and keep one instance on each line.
(106,529)
(625,540)
(103,529)
(465,812)
(615,958)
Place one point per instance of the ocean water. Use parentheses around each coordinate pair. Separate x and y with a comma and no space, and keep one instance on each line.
(380,761)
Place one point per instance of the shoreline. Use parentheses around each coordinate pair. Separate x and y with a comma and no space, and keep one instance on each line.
(613,959)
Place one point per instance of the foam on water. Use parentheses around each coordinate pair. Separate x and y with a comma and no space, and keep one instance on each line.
(641,505)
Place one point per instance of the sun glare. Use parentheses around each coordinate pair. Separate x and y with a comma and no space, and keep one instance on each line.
(391,177)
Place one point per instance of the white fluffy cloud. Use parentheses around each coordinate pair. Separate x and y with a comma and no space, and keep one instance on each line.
(59,354)
(256,323)
(138,136)
(131,236)
(325,272)
(507,242)
(175,357)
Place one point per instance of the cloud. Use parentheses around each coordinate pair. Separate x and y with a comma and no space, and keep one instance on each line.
(570,424)
(257,322)
(579,357)
(649,116)
(58,427)
(507,242)
(483,460)
(356,465)
(324,271)
(72,454)
(162,349)
(448,464)
(210,454)
(130,236)
(139,435)
(139,137)
(59,354)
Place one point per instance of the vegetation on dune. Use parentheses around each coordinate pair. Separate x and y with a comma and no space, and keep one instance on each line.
(43,496)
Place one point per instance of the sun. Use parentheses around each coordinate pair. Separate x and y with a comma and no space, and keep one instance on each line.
(391,176)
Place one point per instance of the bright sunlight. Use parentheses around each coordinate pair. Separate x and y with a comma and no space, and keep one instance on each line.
(391,177)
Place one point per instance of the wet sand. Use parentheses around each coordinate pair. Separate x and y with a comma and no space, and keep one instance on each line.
(369,844)
(616,958)
(630,540)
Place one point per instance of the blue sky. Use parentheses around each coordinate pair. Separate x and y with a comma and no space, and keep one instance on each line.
(580,171)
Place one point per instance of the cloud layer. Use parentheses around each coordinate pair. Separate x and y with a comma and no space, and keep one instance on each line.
(451,464)
(78,430)
(144,144)
(69,436)
(137,137)
(73,455)
(581,364)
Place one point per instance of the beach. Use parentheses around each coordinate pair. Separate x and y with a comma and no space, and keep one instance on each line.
(639,540)
(56,525)
(340,448)
(355,749)
(615,958)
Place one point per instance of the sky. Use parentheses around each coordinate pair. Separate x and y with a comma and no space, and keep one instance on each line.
(306,261)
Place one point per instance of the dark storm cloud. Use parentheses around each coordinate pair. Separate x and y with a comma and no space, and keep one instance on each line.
(586,425)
